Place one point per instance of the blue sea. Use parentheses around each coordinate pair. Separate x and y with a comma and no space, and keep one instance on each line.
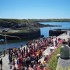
(45,30)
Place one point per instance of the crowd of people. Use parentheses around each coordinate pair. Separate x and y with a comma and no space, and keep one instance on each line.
(26,58)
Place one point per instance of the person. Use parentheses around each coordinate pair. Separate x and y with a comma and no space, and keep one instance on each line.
(30,68)
(1,63)
(69,42)
(38,67)
(34,67)
(14,68)
(56,43)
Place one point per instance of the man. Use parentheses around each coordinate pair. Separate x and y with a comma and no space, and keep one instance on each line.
(69,42)
(1,63)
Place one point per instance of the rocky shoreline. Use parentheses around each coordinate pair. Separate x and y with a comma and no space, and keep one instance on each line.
(21,29)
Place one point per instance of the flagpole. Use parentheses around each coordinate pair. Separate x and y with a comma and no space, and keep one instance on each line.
(6,41)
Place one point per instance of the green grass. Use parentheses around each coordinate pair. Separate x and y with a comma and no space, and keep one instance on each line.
(53,60)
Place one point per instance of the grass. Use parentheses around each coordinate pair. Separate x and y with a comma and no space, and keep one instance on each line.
(52,63)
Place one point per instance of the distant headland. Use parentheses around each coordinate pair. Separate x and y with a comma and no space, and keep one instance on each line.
(24,28)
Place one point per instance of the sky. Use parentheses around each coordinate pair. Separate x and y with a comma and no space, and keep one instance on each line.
(34,9)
